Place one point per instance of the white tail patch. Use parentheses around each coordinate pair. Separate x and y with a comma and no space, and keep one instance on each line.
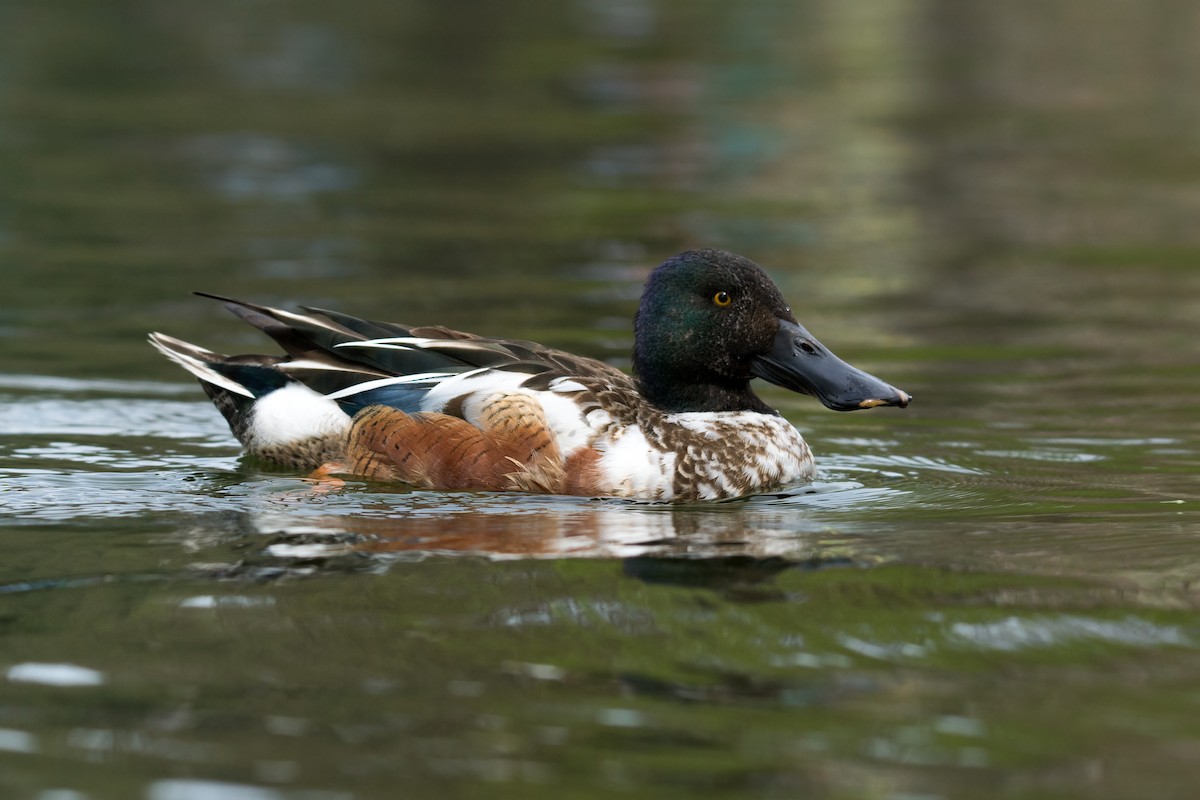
(195,360)
(293,414)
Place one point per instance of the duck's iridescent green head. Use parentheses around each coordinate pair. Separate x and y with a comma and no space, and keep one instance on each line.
(709,321)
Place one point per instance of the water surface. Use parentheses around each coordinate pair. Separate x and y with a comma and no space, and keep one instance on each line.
(989,594)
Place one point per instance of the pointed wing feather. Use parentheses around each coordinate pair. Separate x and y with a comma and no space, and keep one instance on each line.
(359,361)
(366,329)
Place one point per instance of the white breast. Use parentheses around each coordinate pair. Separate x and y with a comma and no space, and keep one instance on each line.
(633,467)
(711,455)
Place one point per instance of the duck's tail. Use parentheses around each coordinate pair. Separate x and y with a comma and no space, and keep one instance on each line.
(233,383)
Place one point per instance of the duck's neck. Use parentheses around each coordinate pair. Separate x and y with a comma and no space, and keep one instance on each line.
(683,394)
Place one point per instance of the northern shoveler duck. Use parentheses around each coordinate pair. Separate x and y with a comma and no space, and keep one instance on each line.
(441,409)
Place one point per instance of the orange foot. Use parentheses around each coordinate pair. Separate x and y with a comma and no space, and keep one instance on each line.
(323,477)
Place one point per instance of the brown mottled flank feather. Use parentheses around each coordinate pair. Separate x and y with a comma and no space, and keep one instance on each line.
(582,474)
(511,449)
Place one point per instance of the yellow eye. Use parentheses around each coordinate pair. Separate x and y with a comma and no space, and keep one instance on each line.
(722,299)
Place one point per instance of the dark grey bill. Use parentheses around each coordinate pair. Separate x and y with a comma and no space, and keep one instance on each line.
(797,361)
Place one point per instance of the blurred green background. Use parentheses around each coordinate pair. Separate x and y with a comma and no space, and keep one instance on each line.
(988,595)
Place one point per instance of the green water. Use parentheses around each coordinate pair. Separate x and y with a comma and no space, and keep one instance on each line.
(991,594)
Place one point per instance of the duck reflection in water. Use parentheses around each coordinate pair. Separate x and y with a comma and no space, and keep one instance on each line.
(661,544)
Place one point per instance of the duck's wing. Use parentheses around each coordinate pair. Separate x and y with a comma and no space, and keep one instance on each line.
(362,362)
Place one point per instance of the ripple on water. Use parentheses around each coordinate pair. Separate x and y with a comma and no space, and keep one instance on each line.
(113,417)
(1025,633)
(830,495)
(43,384)
(41,496)
(74,451)
(949,638)
(1060,456)
(17,741)
(54,674)
(192,789)
(903,464)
